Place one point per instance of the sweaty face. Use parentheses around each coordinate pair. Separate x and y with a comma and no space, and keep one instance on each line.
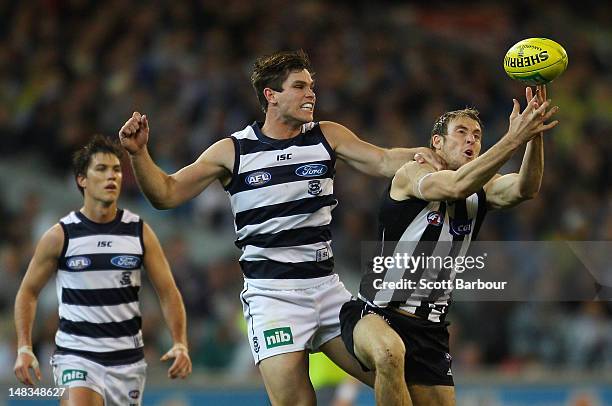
(462,143)
(296,102)
(103,180)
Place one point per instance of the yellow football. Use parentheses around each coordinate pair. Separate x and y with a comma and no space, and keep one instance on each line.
(535,61)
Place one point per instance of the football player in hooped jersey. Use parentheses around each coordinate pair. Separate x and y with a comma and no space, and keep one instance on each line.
(279,175)
(97,254)
(401,333)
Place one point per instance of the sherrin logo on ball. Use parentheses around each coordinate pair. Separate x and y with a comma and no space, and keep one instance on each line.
(535,61)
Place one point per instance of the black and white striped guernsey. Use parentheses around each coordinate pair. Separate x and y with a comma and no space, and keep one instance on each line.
(422,229)
(282,196)
(98,280)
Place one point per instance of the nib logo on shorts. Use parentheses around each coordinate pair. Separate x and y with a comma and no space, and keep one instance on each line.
(70,375)
(278,336)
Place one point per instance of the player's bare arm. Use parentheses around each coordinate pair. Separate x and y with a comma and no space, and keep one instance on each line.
(171,303)
(422,182)
(370,159)
(168,191)
(509,190)
(41,268)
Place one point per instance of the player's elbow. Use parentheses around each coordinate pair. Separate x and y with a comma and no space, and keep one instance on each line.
(528,193)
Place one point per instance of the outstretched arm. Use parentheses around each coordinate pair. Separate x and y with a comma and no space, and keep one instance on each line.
(370,159)
(41,268)
(168,191)
(171,303)
(422,182)
(511,189)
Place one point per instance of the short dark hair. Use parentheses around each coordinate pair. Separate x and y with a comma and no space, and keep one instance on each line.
(272,70)
(440,127)
(81,159)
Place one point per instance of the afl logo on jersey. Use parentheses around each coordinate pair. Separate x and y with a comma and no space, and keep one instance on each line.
(434,218)
(311,170)
(78,263)
(126,261)
(258,178)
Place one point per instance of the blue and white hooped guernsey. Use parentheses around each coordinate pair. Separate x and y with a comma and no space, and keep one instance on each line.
(98,280)
(282,196)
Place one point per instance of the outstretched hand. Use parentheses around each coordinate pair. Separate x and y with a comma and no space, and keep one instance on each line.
(134,134)
(540,93)
(181,367)
(532,121)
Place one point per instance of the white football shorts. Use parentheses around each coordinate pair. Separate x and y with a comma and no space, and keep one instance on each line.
(281,320)
(118,385)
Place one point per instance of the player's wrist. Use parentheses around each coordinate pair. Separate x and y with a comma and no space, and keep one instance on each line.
(180,347)
(138,153)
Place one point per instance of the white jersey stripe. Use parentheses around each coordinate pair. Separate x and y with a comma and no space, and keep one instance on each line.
(320,217)
(267,159)
(94,279)
(128,244)
(267,196)
(106,314)
(247,133)
(104,344)
(406,245)
(297,253)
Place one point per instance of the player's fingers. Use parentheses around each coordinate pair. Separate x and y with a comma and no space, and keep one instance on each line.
(546,127)
(542,109)
(528,93)
(419,158)
(144,122)
(37,373)
(26,377)
(542,92)
(550,113)
(533,104)
(516,107)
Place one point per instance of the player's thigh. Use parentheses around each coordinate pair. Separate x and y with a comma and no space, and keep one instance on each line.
(286,379)
(432,395)
(82,396)
(337,352)
(376,341)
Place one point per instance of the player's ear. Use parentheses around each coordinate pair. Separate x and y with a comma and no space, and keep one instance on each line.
(437,141)
(81,181)
(270,95)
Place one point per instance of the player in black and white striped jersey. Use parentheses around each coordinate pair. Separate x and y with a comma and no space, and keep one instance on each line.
(98,253)
(400,332)
(279,175)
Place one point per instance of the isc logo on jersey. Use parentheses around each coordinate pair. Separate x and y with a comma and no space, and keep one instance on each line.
(78,263)
(311,170)
(258,178)
(126,261)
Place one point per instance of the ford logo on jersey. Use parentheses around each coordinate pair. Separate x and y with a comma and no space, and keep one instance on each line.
(311,170)
(126,261)
(460,227)
(258,178)
(78,263)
